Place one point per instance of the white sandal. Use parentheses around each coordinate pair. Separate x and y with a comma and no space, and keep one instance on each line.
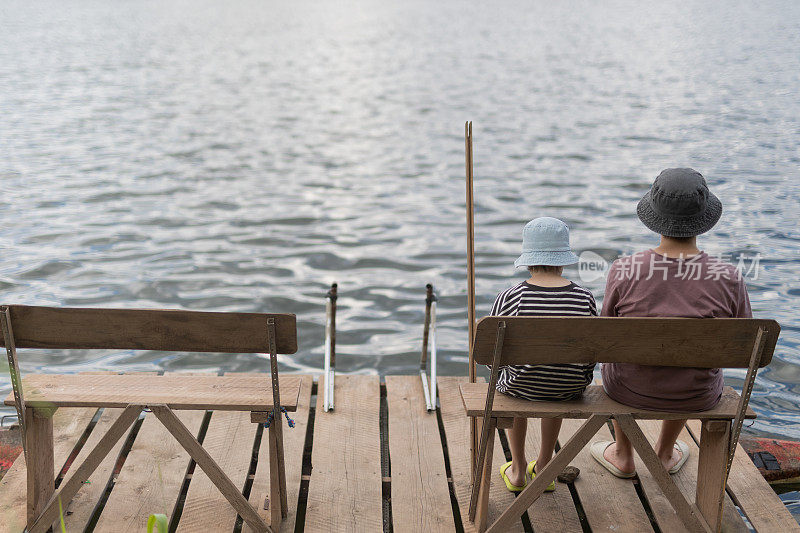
(684,449)
(598,449)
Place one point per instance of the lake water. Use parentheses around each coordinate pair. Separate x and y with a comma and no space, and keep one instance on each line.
(244,155)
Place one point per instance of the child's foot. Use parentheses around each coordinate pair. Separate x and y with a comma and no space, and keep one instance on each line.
(675,460)
(605,453)
(516,475)
(623,462)
(532,472)
(512,484)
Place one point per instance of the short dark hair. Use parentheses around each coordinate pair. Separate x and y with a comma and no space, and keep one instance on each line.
(682,239)
(533,269)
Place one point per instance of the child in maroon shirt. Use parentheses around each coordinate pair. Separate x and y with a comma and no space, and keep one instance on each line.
(675,279)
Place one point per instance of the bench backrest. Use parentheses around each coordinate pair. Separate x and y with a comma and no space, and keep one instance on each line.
(149,329)
(684,342)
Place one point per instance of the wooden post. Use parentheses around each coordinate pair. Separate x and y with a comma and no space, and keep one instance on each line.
(473,428)
(276,510)
(711,470)
(485,481)
(40,461)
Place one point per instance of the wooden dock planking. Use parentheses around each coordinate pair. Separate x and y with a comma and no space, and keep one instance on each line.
(151,478)
(610,503)
(293,444)
(345,489)
(456,427)
(229,440)
(752,493)
(552,511)
(420,495)
(685,479)
(79,511)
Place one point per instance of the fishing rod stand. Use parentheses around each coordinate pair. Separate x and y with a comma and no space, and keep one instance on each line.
(330,348)
(429,333)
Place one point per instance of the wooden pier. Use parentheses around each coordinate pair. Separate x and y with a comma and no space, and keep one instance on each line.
(378,462)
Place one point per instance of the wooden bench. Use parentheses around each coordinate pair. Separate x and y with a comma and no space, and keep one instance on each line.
(679,342)
(36,397)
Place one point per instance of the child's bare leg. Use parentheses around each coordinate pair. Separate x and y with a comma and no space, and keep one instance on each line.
(665,446)
(516,442)
(620,454)
(550,429)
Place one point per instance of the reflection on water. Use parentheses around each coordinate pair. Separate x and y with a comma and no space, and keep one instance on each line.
(242,156)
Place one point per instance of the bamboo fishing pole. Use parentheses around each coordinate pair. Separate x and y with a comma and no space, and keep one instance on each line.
(473,433)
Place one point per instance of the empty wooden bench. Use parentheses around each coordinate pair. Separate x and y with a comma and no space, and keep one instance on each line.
(679,342)
(36,397)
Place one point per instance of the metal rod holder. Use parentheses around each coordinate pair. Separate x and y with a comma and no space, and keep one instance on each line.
(429,334)
(330,348)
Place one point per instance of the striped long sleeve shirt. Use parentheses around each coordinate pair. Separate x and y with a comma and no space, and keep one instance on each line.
(545,382)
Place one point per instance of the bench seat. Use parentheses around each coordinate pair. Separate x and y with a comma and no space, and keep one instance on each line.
(593,401)
(225,393)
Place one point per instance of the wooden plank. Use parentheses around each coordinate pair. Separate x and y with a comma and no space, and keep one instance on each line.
(68,427)
(151,478)
(553,511)
(149,329)
(345,489)
(229,441)
(694,342)
(610,503)
(594,400)
(456,427)
(239,393)
(685,479)
(748,488)
(294,442)
(78,512)
(420,495)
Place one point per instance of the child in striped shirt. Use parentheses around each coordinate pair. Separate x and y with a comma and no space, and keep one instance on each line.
(546,293)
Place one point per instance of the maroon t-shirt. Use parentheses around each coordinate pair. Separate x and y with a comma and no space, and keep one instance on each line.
(648,284)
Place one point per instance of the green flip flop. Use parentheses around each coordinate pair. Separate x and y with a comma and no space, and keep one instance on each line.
(531,472)
(509,485)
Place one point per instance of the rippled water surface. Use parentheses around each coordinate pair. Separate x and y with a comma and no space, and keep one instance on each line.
(243,155)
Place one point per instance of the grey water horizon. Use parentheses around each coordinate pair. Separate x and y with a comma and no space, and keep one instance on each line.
(243,157)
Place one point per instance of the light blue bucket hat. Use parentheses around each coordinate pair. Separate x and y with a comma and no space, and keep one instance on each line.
(545,241)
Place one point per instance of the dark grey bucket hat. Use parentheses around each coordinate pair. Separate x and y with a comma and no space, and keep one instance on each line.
(679,204)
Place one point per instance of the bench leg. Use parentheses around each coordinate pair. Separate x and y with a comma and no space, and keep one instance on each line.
(482,510)
(276,509)
(714,442)
(215,474)
(39,460)
(78,474)
(688,513)
(535,488)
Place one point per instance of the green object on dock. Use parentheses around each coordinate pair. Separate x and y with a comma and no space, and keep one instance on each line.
(158,520)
